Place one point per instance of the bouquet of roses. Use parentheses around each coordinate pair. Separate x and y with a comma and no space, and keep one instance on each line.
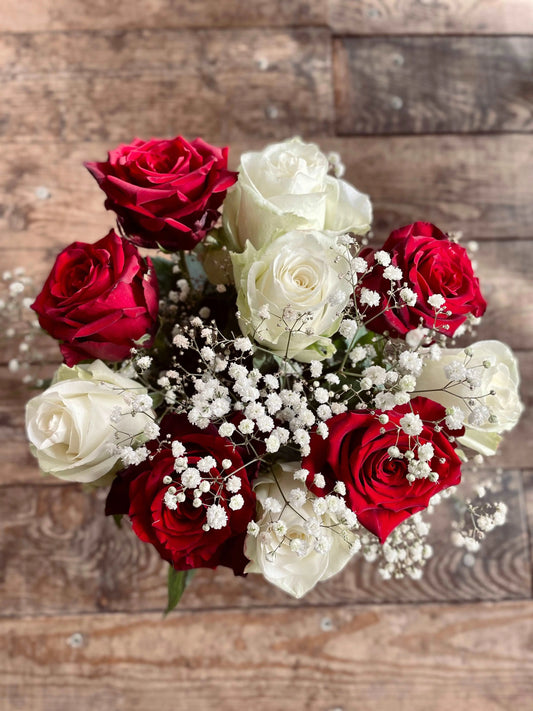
(268,393)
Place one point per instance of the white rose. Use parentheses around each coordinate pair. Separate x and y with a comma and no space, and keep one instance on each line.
(272,552)
(501,377)
(69,424)
(286,187)
(299,279)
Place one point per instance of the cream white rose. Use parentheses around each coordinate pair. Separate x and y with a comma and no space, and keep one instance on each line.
(291,294)
(286,187)
(503,407)
(69,425)
(295,548)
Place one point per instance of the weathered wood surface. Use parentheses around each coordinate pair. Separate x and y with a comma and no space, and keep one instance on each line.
(77,561)
(398,658)
(478,184)
(114,85)
(60,15)
(527,482)
(505,270)
(387,85)
(431,17)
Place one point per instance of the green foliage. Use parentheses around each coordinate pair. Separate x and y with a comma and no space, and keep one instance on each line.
(177,582)
(165,276)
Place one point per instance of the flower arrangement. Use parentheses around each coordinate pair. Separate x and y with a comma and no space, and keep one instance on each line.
(268,393)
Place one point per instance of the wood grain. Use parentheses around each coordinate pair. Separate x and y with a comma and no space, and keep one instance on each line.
(504,270)
(60,15)
(387,85)
(396,658)
(527,479)
(480,185)
(431,17)
(80,86)
(90,565)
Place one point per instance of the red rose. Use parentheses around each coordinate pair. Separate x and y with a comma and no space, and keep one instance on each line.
(430,264)
(99,299)
(177,531)
(165,192)
(377,487)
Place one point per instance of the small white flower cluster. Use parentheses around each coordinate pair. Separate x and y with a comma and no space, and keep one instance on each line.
(404,553)
(20,338)
(235,396)
(130,456)
(479,517)
(418,457)
(207,482)
(399,293)
(129,446)
(464,382)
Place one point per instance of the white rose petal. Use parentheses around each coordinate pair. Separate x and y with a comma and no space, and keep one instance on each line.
(286,187)
(297,275)
(307,549)
(500,378)
(70,427)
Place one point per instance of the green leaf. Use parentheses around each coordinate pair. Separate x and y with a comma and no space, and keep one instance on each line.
(117,518)
(165,276)
(177,582)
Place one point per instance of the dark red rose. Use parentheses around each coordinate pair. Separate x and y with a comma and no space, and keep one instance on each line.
(377,488)
(178,533)
(99,299)
(431,264)
(165,192)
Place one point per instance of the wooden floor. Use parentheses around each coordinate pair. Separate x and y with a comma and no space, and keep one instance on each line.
(430,102)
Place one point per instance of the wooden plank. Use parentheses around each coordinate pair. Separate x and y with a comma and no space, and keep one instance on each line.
(395,658)
(478,184)
(504,270)
(527,483)
(433,85)
(409,17)
(29,16)
(62,555)
(219,84)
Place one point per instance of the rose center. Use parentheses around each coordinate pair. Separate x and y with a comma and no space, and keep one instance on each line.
(78,277)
